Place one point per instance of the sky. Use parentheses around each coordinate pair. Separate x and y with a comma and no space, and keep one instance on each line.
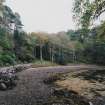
(44,15)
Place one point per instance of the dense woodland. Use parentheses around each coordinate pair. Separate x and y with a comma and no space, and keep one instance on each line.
(85,45)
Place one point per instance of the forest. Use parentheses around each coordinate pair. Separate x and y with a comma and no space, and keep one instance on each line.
(84,45)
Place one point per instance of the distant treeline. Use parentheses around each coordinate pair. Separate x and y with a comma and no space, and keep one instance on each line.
(23,47)
(62,47)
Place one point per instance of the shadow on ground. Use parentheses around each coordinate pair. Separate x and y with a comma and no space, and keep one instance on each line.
(94,75)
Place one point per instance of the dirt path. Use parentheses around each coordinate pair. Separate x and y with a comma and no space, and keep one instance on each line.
(31,90)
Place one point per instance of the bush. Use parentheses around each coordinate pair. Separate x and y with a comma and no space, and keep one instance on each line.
(7,59)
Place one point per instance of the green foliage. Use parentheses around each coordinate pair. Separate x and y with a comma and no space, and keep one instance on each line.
(87,10)
(6,41)
(23,46)
(83,11)
(94,53)
(7,58)
(101,31)
(82,45)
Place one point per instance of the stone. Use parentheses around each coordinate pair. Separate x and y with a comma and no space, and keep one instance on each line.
(3,86)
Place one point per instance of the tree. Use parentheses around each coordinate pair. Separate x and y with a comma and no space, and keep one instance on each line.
(54,43)
(17,21)
(1,9)
(41,39)
(101,31)
(87,10)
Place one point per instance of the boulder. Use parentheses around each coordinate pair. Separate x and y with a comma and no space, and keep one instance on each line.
(3,86)
(7,80)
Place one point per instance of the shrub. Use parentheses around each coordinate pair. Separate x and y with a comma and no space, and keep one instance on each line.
(7,59)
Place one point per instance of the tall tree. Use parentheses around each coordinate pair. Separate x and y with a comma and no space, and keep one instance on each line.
(41,39)
(1,8)
(87,10)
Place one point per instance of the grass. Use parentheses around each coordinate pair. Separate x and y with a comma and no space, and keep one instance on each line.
(43,63)
(88,85)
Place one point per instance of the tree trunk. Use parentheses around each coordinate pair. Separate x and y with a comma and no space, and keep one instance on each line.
(74,56)
(59,51)
(50,51)
(52,55)
(41,55)
(35,52)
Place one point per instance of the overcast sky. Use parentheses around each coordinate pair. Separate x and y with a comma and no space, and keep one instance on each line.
(44,15)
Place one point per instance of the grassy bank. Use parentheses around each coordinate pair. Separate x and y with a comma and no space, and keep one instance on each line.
(43,63)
